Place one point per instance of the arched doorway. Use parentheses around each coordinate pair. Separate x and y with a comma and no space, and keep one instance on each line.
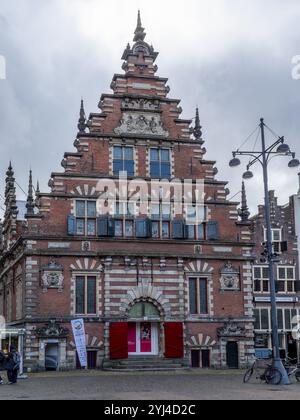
(143,329)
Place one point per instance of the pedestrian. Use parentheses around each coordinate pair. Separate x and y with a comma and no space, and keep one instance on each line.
(2,363)
(13,365)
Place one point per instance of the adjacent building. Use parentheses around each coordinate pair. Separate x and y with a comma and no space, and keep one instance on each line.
(152,288)
(285,244)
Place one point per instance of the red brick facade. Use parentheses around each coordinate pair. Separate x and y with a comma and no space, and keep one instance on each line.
(43,260)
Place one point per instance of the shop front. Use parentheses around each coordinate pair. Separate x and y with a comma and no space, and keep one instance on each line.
(13,337)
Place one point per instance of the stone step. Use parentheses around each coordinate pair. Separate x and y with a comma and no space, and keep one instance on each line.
(144,364)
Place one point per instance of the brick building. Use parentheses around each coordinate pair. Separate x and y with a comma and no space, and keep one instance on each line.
(149,285)
(285,243)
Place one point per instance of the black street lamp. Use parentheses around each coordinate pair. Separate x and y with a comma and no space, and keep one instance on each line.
(279,148)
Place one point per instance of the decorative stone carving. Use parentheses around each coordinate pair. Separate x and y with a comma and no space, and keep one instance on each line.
(231,329)
(53,277)
(141,104)
(52,330)
(86,246)
(230,278)
(147,124)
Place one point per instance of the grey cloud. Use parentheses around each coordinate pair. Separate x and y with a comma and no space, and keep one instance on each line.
(51,63)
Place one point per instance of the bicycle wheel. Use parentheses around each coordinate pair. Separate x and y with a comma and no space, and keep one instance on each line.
(297,375)
(273,376)
(248,376)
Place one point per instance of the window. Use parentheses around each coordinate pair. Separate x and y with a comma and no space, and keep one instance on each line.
(195,219)
(86,214)
(276,239)
(86,295)
(161,216)
(124,215)
(198,295)
(143,310)
(261,279)
(286,280)
(160,163)
(284,316)
(262,320)
(123,160)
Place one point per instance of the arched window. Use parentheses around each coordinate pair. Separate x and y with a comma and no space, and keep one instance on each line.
(144,310)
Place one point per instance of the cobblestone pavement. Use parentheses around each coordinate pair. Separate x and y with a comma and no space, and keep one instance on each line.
(190,385)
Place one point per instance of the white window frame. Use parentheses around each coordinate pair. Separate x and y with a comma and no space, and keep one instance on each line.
(286,280)
(273,240)
(260,319)
(261,279)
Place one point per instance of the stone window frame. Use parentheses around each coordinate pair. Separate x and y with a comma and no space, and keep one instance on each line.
(133,145)
(210,297)
(98,277)
(161,147)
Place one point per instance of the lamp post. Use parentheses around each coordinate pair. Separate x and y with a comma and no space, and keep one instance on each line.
(279,148)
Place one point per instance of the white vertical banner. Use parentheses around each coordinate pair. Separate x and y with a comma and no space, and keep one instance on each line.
(80,341)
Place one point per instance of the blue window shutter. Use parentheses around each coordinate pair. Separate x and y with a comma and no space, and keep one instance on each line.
(106,226)
(143,228)
(71,225)
(111,227)
(102,226)
(178,229)
(149,228)
(140,228)
(213,231)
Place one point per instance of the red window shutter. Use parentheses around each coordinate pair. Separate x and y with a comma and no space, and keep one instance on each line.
(174,340)
(118,340)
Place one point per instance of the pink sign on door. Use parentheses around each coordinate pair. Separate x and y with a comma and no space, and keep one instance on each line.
(146,337)
(132,338)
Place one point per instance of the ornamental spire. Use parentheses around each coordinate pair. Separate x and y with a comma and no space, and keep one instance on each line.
(30,201)
(82,119)
(197,131)
(139,34)
(10,191)
(244,211)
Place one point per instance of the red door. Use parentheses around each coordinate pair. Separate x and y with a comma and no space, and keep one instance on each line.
(118,340)
(132,339)
(174,340)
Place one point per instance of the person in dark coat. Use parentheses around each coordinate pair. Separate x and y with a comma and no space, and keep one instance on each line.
(13,365)
(2,365)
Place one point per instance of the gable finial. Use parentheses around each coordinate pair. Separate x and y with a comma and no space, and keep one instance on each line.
(30,201)
(139,34)
(197,131)
(82,118)
(244,211)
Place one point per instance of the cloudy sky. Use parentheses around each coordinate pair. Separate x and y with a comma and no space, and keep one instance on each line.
(231,57)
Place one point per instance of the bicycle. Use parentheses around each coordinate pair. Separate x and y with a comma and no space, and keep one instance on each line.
(292,368)
(270,374)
